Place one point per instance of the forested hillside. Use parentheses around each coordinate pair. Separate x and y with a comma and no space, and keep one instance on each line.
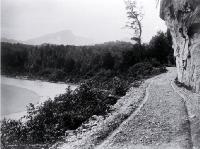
(74,63)
(105,71)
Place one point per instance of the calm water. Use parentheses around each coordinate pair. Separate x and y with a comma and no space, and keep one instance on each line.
(16,94)
(14,99)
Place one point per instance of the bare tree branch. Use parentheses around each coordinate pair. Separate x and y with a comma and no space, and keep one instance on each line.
(135,17)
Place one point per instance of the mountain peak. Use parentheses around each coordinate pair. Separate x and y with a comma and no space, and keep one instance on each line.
(65,37)
(3,39)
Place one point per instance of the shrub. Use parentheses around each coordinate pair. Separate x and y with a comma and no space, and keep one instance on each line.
(57,75)
(53,74)
(120,86)
(158,70)
(48,122)
(155,62)
(140,69)
(11,131)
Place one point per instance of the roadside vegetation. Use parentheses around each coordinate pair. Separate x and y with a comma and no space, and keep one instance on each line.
(77,63)
(105,72)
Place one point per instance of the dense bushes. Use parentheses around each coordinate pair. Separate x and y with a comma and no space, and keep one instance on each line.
(107,71)
(48,122)
(120,86)
(143,69)
(75,63)
(140,69)
(57,75)
(160,48)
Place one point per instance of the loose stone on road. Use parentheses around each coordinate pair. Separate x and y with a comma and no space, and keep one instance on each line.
(162,122)
(157,115)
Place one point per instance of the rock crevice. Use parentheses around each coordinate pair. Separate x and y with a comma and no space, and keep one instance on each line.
(182,17)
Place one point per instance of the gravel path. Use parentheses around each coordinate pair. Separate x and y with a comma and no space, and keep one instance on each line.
(192,101)
(158,115)
(162,122)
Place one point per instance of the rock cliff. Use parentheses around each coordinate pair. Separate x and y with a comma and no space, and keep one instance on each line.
(182,17)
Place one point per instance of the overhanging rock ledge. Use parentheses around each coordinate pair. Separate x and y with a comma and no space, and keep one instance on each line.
(182,18)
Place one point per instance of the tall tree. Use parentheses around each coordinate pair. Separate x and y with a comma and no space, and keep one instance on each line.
(135,17)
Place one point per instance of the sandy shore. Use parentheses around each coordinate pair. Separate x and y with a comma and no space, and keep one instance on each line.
(42,89)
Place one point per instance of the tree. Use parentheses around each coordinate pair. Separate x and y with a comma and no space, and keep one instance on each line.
(135,17)
(161,48)
(108,61)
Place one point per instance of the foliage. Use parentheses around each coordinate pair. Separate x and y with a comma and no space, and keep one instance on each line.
(107,71)
(145,69)
(160,47)
(135,17)
(76,63)
(120,86)
(48,122)
(57,75)
(141,69)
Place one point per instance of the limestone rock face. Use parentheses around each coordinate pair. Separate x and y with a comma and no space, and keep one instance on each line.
(182,17)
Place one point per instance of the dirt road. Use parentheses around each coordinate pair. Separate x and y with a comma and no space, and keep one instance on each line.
(162,122)
(164,119)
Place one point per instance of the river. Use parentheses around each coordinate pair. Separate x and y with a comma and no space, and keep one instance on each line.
(16,94)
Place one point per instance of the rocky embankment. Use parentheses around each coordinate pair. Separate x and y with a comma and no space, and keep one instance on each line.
(182,17)
(158,114)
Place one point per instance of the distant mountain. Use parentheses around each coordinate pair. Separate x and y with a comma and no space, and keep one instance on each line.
(3,39)
(65,37)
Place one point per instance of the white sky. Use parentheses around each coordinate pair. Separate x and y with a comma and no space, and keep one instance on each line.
(101,20)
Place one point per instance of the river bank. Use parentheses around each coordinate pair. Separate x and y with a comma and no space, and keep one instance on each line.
(19,92)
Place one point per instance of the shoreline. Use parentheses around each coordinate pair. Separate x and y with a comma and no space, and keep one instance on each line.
(43,89)
(25,77)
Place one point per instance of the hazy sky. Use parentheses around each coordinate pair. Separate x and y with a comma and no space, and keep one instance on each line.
(101,20)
